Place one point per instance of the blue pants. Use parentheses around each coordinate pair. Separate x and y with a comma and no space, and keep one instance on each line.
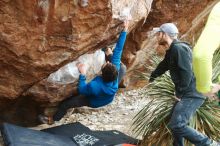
(178,123)
(80,100)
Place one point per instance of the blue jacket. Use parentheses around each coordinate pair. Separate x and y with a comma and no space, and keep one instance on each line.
(98,92)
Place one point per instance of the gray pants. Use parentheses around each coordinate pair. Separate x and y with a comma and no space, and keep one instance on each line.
(122,72)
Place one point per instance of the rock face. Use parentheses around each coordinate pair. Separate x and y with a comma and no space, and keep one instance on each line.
(39,37)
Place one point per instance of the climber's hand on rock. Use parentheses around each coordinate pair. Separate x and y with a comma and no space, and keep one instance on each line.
(126,24)
(108,51)
(81,67)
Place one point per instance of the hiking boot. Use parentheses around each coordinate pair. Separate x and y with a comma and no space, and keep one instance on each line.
(215,143)
(45,120)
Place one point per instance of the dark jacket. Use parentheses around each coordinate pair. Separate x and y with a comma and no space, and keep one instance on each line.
(98,92)
(178,60)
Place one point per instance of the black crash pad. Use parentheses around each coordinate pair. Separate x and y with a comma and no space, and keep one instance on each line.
(82,135)
(74,134)
(20,136)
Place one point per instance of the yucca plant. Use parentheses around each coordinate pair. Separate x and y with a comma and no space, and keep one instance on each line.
(151,121)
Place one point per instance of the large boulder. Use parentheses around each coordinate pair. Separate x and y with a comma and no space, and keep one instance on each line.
(38,37)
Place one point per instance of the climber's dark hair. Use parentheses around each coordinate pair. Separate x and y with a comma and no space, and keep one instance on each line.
(109,72)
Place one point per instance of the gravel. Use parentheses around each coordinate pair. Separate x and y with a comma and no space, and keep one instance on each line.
(116,116)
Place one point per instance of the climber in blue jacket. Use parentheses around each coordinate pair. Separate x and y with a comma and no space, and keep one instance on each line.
(101,90)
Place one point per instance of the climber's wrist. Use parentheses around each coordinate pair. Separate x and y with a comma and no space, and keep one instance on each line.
(126,25)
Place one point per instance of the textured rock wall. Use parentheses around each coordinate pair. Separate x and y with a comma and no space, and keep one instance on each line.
(38,37)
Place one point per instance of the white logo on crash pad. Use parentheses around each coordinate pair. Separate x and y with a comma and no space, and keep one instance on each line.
(85,140)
